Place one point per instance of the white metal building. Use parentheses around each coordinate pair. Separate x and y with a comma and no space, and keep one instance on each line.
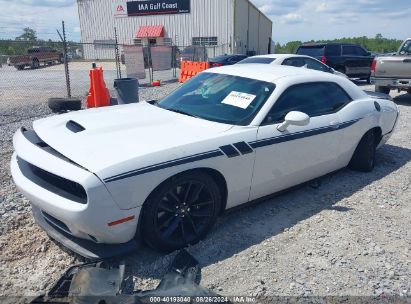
(224,26)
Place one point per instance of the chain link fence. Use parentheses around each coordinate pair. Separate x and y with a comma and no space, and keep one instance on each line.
(33,71)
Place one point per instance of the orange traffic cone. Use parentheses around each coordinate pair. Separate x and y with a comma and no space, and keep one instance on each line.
(99,95)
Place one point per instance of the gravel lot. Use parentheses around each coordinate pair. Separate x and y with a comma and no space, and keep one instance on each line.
(347,234)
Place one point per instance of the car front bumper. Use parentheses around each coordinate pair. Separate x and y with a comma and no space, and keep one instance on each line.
(96,221)
(85,248)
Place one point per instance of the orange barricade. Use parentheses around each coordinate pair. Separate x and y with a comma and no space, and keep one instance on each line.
(190,69)
(99,95)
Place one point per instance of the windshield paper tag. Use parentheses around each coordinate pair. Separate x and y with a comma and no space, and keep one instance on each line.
(239,100)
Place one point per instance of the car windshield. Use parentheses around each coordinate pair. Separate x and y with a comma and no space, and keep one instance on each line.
(263,60)
(406,48)
(220,98)
(313,51)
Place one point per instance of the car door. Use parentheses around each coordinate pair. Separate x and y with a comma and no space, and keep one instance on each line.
(301,153)
(365,58)
(355,65)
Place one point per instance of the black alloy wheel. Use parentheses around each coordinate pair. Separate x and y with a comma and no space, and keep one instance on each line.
(181,212)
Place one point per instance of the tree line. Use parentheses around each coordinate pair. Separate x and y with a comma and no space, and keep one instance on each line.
(378,44)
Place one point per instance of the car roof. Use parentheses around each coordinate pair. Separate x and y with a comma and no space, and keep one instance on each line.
(326,43)
(263,72)
(280,56)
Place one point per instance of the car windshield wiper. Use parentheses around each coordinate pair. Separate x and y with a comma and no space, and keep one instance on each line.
(182,112)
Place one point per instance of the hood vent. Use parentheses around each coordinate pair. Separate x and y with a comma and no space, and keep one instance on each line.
(75,127)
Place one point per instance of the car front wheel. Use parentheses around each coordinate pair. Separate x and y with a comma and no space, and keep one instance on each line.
(181,211)
(364,156)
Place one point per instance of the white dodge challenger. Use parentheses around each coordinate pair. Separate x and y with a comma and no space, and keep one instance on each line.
(101,179)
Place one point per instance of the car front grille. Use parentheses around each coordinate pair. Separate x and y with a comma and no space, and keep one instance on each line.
(53,183)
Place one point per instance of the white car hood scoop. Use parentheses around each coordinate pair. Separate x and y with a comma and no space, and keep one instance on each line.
(74,127)
(99,138)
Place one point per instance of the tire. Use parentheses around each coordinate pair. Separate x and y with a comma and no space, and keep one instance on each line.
(35,64)
(20,67)
(364,156)
(368,79)
(63,105)
(380,89)
(180,212)
(409,91)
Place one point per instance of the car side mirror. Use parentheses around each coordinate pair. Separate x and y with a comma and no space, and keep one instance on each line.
(331,70)
(294,118)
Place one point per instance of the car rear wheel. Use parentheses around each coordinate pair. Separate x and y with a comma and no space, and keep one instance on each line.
(35,64)
(368,79)
(364,156)
(181,211)
(380,89)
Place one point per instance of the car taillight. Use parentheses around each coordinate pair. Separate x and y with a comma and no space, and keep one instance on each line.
(324,59)
(214,65)
(373,66)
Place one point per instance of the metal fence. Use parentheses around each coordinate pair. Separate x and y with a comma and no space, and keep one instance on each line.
(37,70)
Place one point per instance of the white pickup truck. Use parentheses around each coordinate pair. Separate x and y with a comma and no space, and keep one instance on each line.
(393,72)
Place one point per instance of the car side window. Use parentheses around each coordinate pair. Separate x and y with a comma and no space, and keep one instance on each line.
(349,50)
(315,65)
(314,99)
(296,62)
(360,51)
(333,50)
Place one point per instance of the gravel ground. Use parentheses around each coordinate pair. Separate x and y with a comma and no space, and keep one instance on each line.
(349,234)
(31,87)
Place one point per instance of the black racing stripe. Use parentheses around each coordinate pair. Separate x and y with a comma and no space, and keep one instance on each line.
(230,151)
(164,165)
(243,147)
(299,135)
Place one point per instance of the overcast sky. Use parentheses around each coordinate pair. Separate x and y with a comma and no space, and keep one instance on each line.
(293,19)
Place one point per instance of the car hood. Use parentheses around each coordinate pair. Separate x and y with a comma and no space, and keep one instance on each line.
(101,138)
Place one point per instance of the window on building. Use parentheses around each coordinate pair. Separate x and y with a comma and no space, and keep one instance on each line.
(205,41)
(104,44)
(167,41)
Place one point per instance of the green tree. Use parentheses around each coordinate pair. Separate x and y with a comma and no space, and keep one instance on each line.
(10,51)
(28,35)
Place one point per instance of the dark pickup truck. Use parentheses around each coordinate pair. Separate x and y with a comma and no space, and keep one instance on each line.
(35,57)
(350,59)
